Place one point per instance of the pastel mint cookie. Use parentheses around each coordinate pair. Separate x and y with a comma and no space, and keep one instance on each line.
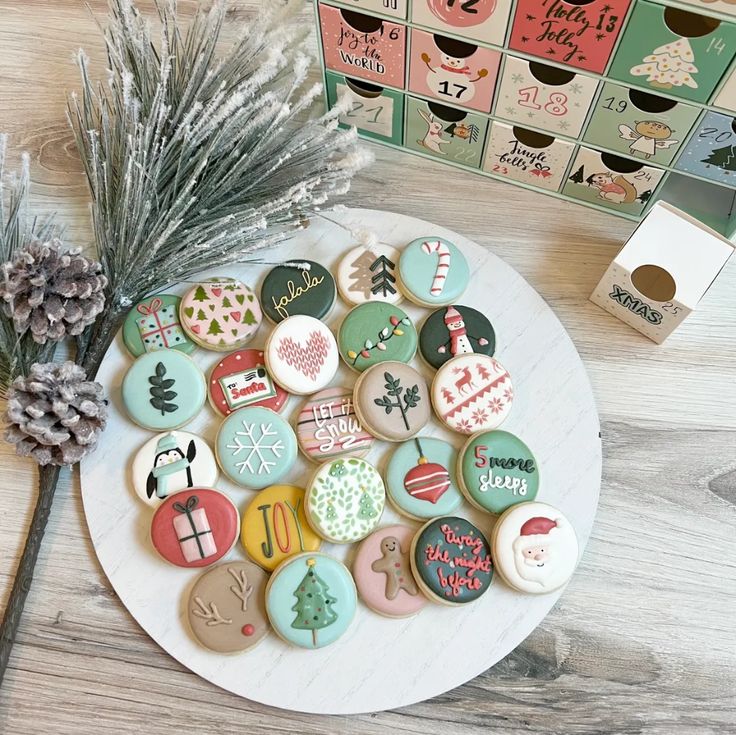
(433,271)
(153,324)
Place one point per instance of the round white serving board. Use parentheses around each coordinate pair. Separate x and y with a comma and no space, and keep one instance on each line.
(380,663)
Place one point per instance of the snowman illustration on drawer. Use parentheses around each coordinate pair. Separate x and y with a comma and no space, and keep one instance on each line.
(449,74)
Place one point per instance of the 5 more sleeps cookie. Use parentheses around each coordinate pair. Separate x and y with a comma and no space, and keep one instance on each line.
(153,324)
(455,330)
(303,287)
(367,273)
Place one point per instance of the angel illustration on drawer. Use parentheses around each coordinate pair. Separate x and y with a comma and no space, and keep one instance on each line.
(647,136)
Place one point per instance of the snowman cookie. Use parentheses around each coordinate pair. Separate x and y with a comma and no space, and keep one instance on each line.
(153,324)
(452,331)
(302,287)
(367,273)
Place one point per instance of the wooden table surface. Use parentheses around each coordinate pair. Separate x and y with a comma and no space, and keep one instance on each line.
(642,641)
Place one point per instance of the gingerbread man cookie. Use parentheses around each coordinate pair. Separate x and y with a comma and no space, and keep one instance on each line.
(395,566)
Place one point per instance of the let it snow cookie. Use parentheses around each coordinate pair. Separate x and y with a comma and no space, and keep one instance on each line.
(368,273)
(153,324)
(292,289)
(534,547)
(453,331)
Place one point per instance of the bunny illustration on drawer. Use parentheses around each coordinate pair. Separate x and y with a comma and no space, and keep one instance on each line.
(711,150)
(395,8)
(363,46)
(479,20)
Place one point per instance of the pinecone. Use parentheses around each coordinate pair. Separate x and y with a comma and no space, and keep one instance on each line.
(51,292)
(55,414)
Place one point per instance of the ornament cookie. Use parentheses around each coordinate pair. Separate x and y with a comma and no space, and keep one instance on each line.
(311,600)
(472,393)
(221,314)
(453,331)
(534,547)
(345,500)
(241,379)
(227,607)
(171,462)
(303,287)
(301,355)
(327,427)
(368,273)
(451,561)
(163,390)
(497,470)
(275,527)
(383,576)
(153,324)
(255,447)
(195,528)
(373,333)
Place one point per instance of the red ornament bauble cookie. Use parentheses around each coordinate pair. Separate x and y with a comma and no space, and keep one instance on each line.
(427,481)
(460,14)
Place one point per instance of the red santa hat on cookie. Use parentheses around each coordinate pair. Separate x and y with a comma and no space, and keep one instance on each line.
(537,531)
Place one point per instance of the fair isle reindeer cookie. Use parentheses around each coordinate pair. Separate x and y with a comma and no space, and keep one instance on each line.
(153,324)
(302,287)
(452,331)
(367,273)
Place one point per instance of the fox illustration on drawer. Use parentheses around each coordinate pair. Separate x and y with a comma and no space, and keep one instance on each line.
(478,20)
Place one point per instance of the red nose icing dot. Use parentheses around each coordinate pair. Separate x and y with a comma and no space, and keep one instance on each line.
(248,629)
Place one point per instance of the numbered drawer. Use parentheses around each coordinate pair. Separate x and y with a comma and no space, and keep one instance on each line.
(452,71)
(674,51)
(580,33)
(611,181)
(640,124)
(547,97)
(479,20)
(363,46)
(525,155)
(449,133)
(708,6)
(394,8)
(711,150)
(726,97)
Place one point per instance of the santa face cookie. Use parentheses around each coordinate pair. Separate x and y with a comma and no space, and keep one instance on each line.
(451,561)
(275,526)
(497,470)
(222,314)
(301,355)
(368,273)
(392,401)
(311,600)
(171,462)
(453,331)
(327,427)
(241,380)
(472,393)
(305,288)
(153,324)
(383,575)
(195,528)
(432,272)
(227,607)
(345,500)
(163,390)
(255,447)
(535,548)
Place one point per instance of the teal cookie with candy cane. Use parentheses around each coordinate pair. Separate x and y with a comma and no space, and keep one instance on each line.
(153,324)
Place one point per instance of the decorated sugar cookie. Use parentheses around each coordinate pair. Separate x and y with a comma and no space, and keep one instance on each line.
(163,390)
(195,527)
(227,607)
(472,393)
(275,526)
(453,331)
(153,324)
(311,600)
(301,355)
(327,427)
(392,401)
(302,287)
(373,333)
(383,576)
(420,478)
(497,470)
(221,314)
(255,447)
(368,273)
(171,462)
(241,379)
(451,561)
(432,272)
(534,547)
(345,500)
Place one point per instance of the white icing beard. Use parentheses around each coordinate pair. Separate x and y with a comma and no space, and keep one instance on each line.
(532,570)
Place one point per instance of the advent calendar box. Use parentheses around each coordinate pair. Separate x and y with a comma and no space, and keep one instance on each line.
(711,150)
(479,20)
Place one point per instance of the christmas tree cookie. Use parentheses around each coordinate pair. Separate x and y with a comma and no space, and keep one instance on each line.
(367,273)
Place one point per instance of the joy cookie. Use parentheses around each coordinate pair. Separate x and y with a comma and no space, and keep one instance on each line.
(171,462)
(221,314)
(327,427)
(255,447)
(420,478)
(345,500)
(392,401)
(153,324)
(241,379)
(373,333)
(432,272)
(163,390)
(368,273)
(275,527)
(535,548)
(496,470)
(195,528)
(453,331)
(311,600)
(227,607)
(451,561)
(472,393)
(301,355)
(383,576)
(303,287)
